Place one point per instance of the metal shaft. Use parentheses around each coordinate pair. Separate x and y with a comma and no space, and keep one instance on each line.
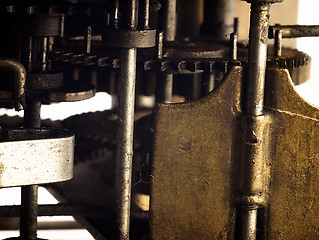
(124,145)
(164,88)
(248,230)
(29,194)
(170,20)
(258,38)
(124,150)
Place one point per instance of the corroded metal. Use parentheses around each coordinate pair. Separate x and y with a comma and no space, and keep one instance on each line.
(195,152)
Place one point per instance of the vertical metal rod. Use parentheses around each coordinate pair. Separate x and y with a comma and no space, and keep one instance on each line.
(146,16)
(50,44)
(258,39)
(170,20)
(29,56)
(164,88)
(88,39)
(116,15)
(234,41)
(62,22)
(29,194)
(257,57)
(44,48)
(248,230)
(124,141)
(124,150)
(233,46)
(278,42)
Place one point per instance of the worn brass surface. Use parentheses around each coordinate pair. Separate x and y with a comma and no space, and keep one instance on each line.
(191,189)
(196,151)
(294,189)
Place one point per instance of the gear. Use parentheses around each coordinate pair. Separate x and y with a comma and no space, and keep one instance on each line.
(190,59)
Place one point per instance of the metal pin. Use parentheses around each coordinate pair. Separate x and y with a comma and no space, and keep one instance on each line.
(44,47)
(146,16)
(160,45)
(62,22)
(233,46)
(88,39)
(278,42)
(29,47)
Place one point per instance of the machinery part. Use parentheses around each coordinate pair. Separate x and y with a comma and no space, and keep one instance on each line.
(129,38)
(77,93)
(40,81)
(51,158)
(20,79)
(294,31)
(199,143)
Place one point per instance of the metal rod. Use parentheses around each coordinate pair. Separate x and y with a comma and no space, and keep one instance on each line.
(124,150)
(44,48)
(258,38)
(170,20)
(233,46)
(164,88)
(29,49)
(248,229)
(29,212)
(146,14)
(124,137)
(62,23)
(29,194)
(295,31)
(116,15)
(278,43)
(88,39)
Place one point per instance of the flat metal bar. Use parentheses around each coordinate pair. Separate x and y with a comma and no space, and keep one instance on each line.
(60,210)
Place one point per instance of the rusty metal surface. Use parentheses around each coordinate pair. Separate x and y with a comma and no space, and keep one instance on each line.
(191,187)
(195,170)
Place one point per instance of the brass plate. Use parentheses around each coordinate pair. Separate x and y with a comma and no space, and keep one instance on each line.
(191,187)
(195,173)
(294,190)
